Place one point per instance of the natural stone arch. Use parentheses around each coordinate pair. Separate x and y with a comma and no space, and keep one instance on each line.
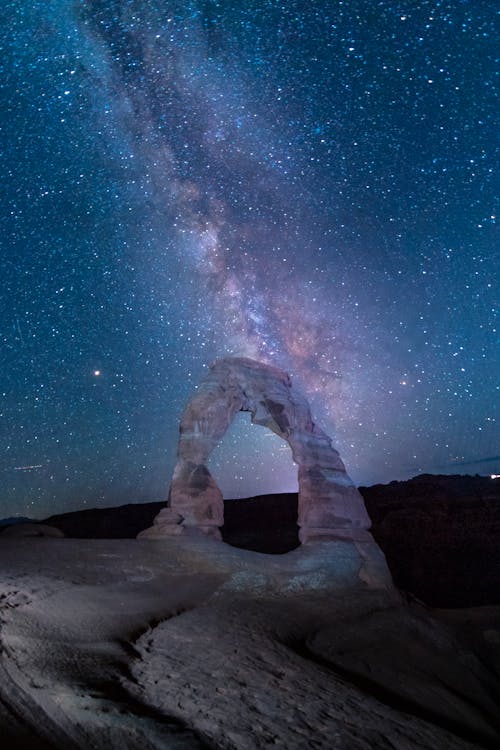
(329,504)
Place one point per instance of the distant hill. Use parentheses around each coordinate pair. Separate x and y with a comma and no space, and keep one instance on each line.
(15,519)
(441,536)
(121,522)
(267,523)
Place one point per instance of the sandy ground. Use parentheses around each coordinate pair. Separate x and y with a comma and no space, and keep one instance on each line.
(190,643)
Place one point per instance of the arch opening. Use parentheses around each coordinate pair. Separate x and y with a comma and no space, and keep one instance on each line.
(251,460)
(258,478)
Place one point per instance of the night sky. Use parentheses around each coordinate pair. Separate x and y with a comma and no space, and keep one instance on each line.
(308,183)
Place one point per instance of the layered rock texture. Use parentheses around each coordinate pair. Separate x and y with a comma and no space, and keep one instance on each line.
(329,507)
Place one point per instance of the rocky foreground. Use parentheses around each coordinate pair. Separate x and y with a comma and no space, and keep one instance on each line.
(188,642)
(192,643)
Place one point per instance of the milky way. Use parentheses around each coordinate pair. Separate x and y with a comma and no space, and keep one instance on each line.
(310,184)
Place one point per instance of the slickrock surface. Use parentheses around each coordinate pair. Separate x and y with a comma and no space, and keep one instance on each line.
(187,642)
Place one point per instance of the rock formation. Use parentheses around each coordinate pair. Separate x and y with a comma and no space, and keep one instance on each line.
(440,534)
(330,506)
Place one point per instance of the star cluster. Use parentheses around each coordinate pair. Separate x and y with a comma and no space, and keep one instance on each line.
(310,184)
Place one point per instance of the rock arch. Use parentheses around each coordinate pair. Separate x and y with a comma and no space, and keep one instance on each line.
(329,504)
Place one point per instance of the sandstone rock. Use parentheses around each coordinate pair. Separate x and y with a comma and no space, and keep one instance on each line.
(330,506)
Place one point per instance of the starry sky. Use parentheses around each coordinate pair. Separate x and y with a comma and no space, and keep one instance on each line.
(311,184)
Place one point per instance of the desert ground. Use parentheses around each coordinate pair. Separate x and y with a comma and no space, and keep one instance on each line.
(188,642)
